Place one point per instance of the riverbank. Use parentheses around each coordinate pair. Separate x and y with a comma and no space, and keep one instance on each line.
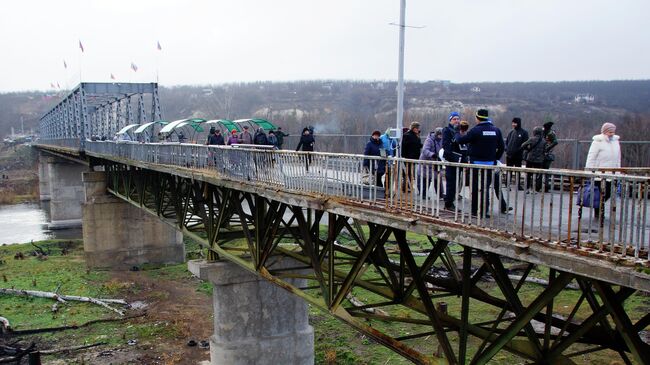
(18,174)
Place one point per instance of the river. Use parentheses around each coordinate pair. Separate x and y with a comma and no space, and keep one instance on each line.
(21,223)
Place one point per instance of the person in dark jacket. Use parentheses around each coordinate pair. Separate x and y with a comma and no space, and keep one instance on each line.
(452,152)
(280,136)
(535,148)
(375,167)
(307,143)
(411,147)
(514,140)
(550,139)
(514,153)
(485,148)
(260,137)
(215,138)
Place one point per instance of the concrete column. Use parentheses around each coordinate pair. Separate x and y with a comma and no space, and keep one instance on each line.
(66,193)
(119,235)
(255,321)
(43,177)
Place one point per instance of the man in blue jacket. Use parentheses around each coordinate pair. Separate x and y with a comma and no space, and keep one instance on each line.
(485,148)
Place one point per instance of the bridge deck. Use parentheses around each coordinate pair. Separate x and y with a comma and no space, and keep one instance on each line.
(537,230)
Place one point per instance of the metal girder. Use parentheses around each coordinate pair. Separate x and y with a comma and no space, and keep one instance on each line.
(92,109)
(392,280)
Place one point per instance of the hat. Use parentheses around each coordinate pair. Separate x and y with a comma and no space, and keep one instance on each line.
(438,130)
(212,130)
(482,114)
(217,131)
(415,125)
(548,125)
(245,127)
(376,133)
(454,114)
(233,131)
(608,127)
(517,121)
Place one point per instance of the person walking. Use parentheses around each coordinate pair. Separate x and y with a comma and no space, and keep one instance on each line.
(260,138)
(550,138)
(389,144)
(273,140)
(376,167)
(514,140)
(307,143)
(514,154)
(233,139)
(534,156)
(215,138)
(411,147)
(280,135)
(245,137)
(429,173)
(452,152)
(604,152)
(485,148)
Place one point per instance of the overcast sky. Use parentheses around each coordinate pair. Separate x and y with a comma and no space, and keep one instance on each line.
(219,41)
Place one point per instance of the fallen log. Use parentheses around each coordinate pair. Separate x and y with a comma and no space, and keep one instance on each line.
(72,348)
(74,327)
(63,298)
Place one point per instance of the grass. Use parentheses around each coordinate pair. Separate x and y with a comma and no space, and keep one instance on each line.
(68,273)
(335,342)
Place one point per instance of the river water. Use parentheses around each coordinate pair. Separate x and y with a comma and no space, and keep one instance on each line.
(21,223)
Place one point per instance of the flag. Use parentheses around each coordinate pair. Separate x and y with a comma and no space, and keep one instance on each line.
(58,86)
(112,77)
(81,46)
(52,85)
(65,65)
(134,67)
(158,46)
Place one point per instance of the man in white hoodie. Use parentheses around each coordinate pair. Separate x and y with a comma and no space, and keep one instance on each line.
(604,152)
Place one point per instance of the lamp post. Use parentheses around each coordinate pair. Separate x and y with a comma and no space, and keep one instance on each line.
(400,71)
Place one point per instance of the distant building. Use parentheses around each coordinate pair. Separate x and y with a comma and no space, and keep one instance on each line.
(584,98)
(475,89)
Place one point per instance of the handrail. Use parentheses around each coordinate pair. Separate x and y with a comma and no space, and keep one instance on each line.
(544,210)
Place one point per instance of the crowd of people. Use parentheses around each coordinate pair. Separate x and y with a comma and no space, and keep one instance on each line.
(482,145)
(274,138)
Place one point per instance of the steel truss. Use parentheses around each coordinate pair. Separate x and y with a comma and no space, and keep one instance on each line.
(99,109)
(397,279)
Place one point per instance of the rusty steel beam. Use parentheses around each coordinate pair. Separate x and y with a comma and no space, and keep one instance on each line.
(204,211)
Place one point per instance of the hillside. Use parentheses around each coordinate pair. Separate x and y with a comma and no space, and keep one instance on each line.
(355,107)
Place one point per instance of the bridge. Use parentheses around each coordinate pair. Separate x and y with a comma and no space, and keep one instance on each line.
(283,229)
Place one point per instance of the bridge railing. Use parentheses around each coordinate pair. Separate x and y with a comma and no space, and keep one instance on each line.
(72,143)
(601,213)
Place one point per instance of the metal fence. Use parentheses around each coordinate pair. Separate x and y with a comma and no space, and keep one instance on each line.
(569,153)
(602,213)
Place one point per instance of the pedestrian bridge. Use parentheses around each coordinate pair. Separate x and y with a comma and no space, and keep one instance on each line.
(310,223)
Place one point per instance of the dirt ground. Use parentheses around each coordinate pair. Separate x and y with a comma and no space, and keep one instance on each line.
(167,302)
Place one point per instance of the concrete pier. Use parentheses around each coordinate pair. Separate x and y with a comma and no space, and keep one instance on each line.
(43,177)
(118,235)
(66,193)
(255,321)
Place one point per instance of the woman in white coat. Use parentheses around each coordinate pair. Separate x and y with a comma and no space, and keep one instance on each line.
(604,152)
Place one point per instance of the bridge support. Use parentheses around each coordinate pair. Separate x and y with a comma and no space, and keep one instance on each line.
(43,177)
(118,235)
(255,322)
(66,193)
